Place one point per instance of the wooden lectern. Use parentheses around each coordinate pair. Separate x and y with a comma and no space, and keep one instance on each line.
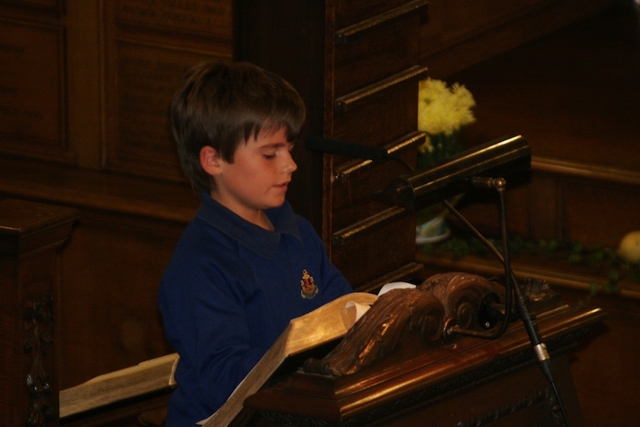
(406,373)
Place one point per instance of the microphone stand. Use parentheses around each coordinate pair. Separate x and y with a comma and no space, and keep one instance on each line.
(511,286)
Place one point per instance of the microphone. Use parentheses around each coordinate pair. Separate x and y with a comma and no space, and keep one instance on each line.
(348,149)
(456,175)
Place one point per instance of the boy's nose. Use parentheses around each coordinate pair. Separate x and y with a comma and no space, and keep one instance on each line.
(290,164)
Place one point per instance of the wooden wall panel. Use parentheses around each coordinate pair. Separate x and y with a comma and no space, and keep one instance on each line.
(55,5)
(464,19)
(461,33)
(89,82)
(371,84)
(366,57)
(110,272)
(33,90)
(88,85)
(377,253)
(354,195)
(108,305)
(351,12)
(481,208)
(596,212)
(208,18)
(605,364)
(138,133)
(379,113)
(561,207)
(148,47)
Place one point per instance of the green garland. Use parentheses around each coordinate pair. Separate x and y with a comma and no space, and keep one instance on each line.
(597,257)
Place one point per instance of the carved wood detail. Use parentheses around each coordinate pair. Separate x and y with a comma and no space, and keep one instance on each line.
(38,322)
(31,238)
(406,315)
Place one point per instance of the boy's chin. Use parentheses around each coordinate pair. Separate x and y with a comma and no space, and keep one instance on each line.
(276,203)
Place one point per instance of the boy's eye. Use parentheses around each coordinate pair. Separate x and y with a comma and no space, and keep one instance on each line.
(272,152)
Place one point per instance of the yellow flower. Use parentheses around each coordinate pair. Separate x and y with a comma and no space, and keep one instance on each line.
(443,110)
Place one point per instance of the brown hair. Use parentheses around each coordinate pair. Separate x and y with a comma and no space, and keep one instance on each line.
(220,104)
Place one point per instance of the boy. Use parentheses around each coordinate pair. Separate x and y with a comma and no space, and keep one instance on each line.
(246,265)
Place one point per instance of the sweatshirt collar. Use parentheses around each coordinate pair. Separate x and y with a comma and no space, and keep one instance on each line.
(257,239)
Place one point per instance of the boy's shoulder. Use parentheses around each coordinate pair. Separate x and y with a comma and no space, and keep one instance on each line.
(201,240)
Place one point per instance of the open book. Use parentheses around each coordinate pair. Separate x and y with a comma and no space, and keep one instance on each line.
(321,326)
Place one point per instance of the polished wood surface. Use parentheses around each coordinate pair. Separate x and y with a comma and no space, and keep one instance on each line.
(465,381)
(32,236)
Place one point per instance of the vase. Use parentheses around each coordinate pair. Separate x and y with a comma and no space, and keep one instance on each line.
(432,231)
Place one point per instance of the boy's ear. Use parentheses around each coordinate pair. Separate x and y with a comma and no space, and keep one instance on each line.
(210,160)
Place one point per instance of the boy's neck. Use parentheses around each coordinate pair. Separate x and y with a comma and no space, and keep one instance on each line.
(267,225)
(257,217)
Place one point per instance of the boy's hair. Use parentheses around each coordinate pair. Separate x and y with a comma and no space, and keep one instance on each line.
(220,104)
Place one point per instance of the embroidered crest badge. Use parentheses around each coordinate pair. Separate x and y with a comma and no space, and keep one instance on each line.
(309,288)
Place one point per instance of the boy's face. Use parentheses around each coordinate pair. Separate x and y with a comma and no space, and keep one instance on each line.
(258,178)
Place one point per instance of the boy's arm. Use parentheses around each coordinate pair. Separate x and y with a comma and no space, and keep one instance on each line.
(223,351)
(208,328)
